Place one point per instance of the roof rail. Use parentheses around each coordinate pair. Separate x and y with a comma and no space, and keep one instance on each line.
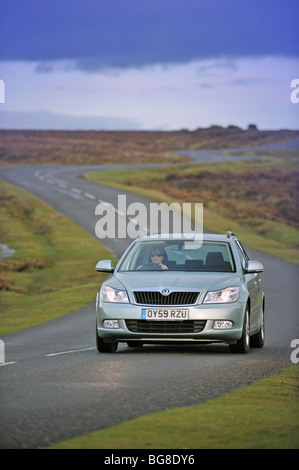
(146,233)
(230,234)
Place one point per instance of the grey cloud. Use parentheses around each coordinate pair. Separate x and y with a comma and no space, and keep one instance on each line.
(247,81)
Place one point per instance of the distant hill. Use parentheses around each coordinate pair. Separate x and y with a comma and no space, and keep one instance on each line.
(102,147)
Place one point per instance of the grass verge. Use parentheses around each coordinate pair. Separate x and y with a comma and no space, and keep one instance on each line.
(263,415)
(257,200)
(53,269)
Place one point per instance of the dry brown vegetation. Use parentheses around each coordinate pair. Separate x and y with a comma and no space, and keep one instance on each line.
(259,195)
(104,147)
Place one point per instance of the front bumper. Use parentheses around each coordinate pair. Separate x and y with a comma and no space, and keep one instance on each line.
(233,312)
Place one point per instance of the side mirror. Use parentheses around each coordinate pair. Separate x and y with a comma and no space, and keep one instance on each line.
(254,267)
(105,266)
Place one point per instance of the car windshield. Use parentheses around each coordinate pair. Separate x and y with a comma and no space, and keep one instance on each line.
(208,256)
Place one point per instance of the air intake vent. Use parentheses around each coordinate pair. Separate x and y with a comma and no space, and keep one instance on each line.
(183,326)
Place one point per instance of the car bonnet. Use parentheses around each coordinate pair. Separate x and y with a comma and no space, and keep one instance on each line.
(174,281)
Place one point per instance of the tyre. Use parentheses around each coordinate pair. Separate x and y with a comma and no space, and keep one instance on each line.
(242,345)
(105,347)
(258,340)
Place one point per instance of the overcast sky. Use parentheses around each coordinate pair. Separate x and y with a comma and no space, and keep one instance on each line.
(149,64)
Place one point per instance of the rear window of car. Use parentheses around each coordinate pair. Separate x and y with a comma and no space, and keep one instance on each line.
(208,256)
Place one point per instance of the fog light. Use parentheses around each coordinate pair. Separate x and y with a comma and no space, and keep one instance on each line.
(110,324)
(223,325)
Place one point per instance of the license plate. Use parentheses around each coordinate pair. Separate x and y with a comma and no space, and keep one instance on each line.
(164,314)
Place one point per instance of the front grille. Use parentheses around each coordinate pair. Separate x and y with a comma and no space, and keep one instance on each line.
(149,326)
(174,298)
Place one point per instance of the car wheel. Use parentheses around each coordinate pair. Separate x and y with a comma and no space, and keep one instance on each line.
(105,347)
(134,344)
(242,345)
(258,340)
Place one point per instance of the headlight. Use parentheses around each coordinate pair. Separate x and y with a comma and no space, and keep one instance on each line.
(230,294)
(108,294)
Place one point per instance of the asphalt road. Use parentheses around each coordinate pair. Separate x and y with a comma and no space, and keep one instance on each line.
(55,385)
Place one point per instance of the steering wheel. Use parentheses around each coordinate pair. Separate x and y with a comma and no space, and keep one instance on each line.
(151,266)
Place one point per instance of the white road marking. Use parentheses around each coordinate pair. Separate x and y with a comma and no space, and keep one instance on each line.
(89,195)
(38,175)
(7,363)
(50,181)
(61,185)
(78,191)
(133,221)
(69,352)
(69,193)
(120,212)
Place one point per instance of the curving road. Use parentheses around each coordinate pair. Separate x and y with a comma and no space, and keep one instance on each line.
(54,384)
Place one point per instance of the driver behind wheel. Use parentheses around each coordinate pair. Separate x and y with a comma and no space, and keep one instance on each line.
(157,258)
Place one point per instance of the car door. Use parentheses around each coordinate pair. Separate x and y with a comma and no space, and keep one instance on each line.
(253,286)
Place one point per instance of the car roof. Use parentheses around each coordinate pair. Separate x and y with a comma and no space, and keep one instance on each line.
(187,236)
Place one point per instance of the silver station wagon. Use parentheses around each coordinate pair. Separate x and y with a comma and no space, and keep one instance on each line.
(170,289)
